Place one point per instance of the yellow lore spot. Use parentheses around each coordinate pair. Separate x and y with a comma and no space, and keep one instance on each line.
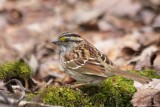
(62,38)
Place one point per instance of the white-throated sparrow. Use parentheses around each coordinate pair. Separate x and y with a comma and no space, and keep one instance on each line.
(83,62)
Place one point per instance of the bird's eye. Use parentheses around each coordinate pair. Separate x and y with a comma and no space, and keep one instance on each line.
(67,40)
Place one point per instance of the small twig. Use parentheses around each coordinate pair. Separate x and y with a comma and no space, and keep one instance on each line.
(21,87)
(5,98)
(24,103)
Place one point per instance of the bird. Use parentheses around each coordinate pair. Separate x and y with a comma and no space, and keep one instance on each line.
(86,64)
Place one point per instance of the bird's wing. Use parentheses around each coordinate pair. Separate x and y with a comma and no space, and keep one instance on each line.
(89,66)
(84,59)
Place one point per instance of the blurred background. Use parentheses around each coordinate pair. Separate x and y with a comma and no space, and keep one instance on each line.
(128,31)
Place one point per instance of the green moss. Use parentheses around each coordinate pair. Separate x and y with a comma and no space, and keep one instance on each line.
(113,92)
(31,95)
(148,73)
(15,69)
(64,96)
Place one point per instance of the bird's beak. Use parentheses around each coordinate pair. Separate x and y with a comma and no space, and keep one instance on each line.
(56,42)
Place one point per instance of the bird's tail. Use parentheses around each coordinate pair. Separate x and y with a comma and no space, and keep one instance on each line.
(130,75)
(112,70)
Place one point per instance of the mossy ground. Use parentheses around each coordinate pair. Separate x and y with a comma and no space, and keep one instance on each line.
(15,69)
(147,73)
(113,92)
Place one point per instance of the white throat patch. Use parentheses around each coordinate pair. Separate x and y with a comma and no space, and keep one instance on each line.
(63,48)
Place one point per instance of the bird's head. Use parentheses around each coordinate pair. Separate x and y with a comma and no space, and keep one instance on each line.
(68,40)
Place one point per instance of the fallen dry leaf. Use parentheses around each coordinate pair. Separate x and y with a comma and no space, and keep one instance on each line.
(144,98)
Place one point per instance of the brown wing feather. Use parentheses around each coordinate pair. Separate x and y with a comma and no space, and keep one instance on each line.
(91,68)
(88,64)
(88,67)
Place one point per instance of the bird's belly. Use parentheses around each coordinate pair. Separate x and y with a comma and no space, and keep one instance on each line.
(90,79)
